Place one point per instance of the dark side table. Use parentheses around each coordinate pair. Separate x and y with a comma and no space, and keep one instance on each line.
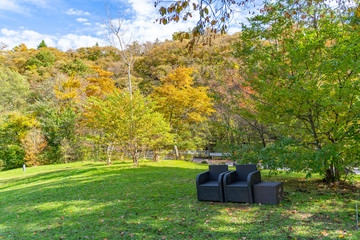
(268,192)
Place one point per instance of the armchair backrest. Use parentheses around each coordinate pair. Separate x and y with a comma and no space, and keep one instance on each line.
(243,170)
(215,171)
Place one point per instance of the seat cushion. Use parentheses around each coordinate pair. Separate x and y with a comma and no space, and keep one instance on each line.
(210,184)
(238,185)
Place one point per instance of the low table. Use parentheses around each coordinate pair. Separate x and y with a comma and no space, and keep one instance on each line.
(268,192)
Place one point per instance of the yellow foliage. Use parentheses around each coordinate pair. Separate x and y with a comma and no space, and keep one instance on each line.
(20,123)
(68,90)
(21,48)
(100,84)
(179,101)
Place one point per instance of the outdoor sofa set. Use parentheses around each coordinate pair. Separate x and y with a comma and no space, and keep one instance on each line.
(242,185)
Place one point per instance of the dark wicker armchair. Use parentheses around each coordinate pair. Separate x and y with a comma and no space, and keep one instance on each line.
(209,184)
(238,185)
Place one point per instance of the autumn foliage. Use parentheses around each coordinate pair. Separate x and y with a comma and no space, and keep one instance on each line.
(180,101)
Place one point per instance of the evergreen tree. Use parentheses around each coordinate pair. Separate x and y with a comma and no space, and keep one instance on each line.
(42,44)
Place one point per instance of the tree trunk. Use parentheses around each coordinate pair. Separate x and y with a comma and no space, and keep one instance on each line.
(143,151)
(332,174)
(135,159)
(129,77)
(110,148)
(177,155)
(155,155)
(122,155)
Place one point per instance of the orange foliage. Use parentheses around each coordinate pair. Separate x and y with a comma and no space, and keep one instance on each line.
(179,101)
(34,143)
(100,84)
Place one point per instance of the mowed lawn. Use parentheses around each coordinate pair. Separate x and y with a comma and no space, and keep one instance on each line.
(90,200)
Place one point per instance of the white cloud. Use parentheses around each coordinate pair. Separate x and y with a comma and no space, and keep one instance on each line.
(143,26)
(72,41)
(76,12)
(81,20)
(8,33)
(144,9)
(38,3)
(9,5)
(32,39)
(20,5)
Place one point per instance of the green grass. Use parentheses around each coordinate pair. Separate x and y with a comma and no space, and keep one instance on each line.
(158,201)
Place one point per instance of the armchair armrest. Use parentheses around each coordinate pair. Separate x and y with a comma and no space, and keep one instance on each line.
(254,177)
(221,177)
(229,177)
(202,177)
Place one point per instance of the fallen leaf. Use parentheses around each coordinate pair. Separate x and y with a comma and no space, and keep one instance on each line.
(325,233)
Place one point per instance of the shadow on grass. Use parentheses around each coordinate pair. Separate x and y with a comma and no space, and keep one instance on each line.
(155,202)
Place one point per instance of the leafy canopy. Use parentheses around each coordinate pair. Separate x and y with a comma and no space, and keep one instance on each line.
(128,122)
(301,61)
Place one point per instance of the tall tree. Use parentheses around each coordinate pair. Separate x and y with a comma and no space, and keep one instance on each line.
(302,61)
(127,51)
(128,122)
(182,104)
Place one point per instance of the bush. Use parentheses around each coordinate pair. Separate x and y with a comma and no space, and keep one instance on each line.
(11,156)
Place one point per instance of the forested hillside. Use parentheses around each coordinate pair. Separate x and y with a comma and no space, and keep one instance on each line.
(284,92)
(51,100)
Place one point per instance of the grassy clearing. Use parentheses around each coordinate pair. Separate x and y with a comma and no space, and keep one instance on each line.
(158,201)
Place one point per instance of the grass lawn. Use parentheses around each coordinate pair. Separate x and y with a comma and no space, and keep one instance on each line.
(90,200)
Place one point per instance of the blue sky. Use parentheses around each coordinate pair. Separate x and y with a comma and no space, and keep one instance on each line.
(70,24)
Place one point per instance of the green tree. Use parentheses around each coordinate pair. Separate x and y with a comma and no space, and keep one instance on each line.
(301,61)
(59,125)
(44,58)
(73,67)
(42,44)
(14,127)
(14,90)
(128,122)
